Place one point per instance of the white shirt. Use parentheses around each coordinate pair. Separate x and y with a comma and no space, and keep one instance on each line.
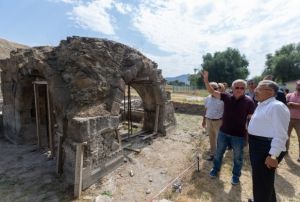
(214,107)
(271,119)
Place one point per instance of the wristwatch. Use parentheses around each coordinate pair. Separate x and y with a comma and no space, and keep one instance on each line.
(273,157)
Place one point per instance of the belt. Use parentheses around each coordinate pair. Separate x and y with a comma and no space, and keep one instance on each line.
(254,137)
(214,119)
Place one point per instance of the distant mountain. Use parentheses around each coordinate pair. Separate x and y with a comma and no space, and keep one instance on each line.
(183,78)
(7,46)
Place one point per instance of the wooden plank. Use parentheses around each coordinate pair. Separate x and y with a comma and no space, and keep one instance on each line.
(133,149)
(37,118)
(40,82)
(51,142)
(156,119)
(59,163)
(148,136)
(78,170)
(125,136)
(128,144)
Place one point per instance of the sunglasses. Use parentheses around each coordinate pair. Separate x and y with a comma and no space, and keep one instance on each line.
(239,88)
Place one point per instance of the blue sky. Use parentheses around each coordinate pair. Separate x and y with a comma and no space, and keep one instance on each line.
(174,33)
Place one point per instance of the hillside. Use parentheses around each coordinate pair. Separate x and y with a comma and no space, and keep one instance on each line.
(183,78)
(7,46)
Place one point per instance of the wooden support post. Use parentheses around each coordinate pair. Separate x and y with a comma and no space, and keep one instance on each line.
(198,163)
(59,162)
(37,109)
(156,118)
(78,169)
(51,142)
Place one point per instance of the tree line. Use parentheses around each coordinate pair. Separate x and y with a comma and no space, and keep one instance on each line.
(228,65)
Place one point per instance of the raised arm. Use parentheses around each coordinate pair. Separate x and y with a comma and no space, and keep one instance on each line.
(213,92)
(294,105)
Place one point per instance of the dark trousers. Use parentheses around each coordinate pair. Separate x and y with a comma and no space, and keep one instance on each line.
(262,177)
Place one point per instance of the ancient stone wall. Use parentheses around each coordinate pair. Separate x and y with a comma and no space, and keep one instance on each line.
(85,79)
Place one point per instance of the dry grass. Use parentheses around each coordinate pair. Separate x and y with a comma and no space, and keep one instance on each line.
(193,97)
(198,186)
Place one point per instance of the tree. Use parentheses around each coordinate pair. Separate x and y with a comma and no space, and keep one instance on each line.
(176,83)
(257,79)
(284,64)
(226,66)
(196,81)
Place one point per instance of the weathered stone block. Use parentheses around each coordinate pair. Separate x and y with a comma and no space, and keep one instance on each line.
(86,79)
(115,109)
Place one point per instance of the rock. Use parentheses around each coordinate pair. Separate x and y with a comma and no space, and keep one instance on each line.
(148,191)
(87,198)
(163,172)
(177,186)
(131,173)
(103,198)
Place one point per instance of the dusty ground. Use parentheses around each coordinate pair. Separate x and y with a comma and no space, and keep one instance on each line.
(26,175)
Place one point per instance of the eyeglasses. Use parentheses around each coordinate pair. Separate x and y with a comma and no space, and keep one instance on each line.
(264,89)
(239,88)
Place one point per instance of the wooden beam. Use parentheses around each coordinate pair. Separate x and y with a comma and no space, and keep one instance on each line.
(133,149)
(78,169)
(59,160)
(51,142)
(156,118)
(40,82)
(147,136)
(37,118)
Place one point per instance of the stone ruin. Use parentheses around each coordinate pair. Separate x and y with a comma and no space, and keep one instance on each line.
(68,99)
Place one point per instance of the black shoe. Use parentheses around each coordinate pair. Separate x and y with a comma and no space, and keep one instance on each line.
(250,200)
(210,158)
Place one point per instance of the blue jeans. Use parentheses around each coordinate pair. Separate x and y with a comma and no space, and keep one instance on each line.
(237,144)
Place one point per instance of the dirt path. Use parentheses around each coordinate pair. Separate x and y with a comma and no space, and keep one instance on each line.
(26,175)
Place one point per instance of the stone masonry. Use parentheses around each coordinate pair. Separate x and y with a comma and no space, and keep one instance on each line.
(86,79)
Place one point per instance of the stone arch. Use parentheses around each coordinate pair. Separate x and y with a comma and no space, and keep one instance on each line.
(86,79)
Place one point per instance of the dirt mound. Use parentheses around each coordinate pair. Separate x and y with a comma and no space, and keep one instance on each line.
(7,46)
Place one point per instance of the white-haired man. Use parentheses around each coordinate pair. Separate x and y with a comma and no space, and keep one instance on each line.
(267,138)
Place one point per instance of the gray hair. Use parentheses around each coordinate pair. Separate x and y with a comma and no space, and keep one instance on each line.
(270,84)
(213,84)
(239,81)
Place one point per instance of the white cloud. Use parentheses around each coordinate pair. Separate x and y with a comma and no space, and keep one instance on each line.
(123,8)
(188,28)
(196,27)
(67,1)
(94,15)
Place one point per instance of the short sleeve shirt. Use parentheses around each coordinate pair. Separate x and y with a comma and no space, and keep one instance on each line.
(214,107)
(294,97)
(235,114)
